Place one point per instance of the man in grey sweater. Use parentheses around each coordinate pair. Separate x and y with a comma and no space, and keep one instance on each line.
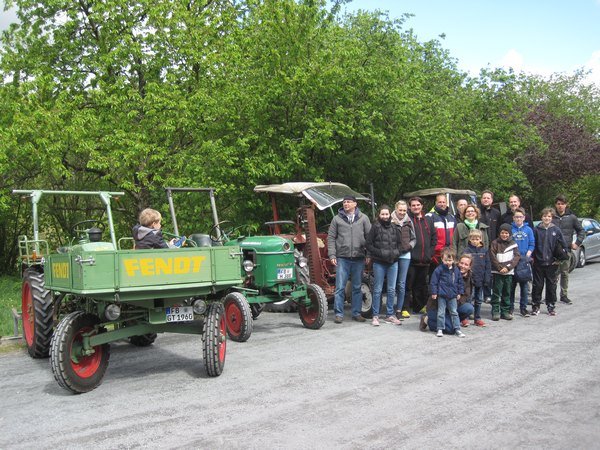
(568,224)
(346,248)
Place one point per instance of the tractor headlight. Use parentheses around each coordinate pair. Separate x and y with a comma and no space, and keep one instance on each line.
(248,265)
(112,312)
(286,246)
(199,307)
(302,261)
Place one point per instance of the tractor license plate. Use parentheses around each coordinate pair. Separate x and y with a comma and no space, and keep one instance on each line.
(180,314)
(285,274)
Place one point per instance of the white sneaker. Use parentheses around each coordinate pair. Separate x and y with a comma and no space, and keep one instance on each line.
(460,334)
(440,333)
(375,321)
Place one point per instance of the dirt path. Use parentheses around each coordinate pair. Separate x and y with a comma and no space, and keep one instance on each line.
(532,382)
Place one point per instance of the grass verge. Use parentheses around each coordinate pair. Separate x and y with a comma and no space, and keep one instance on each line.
(10,297)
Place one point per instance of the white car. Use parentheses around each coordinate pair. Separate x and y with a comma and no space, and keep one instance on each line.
(590,247)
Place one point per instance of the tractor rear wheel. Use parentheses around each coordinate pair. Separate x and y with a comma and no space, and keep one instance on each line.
(238,317)
(36,314)
(314,315)
(73,370)
(143,340)
(256,309)
(214,340)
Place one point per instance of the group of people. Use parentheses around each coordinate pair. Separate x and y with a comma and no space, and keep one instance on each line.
(445,267)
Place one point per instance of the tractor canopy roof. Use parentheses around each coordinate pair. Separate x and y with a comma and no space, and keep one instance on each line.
(435,191)
(323,195)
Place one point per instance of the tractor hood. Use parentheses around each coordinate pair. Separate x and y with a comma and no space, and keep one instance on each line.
(322,195)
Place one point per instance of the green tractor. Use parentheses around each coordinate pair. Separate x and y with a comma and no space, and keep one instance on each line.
(270,269)
(97,290)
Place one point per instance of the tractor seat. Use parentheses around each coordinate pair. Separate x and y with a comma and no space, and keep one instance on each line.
(201,240)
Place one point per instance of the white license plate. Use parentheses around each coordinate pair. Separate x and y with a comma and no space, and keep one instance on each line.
(180,314)
(285,274)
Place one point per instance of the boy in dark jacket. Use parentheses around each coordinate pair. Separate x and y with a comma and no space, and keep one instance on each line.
(545,266)
(504,256)
(147,233)
(446,287)
(481,270)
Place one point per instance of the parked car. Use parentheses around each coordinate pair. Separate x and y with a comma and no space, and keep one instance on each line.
(590,247)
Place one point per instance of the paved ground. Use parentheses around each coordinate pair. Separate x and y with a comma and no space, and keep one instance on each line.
(529,383)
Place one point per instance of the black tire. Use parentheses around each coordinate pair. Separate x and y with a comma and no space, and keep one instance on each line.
(313,316)
(214,339)
(238,317)
(581,261)
(286,305)
(256,309)
(36,314)
(73,372)
(143,340)
(367,298)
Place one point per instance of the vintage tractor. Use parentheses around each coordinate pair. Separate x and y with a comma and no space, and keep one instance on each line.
(269,267)
(308,230)
(78,299)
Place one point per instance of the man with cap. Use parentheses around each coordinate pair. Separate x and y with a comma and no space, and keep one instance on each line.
(346,246)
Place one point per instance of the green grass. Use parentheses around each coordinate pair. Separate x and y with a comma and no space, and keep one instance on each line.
(10,297)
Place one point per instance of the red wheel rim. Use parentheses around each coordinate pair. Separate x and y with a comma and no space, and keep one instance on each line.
(27,313)
(222,339)
(86,366)
(310,313)
(234,318)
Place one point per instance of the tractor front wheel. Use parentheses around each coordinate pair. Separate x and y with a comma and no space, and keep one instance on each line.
(214,340)
(72,368)
(313,315)
(238,317)
(36,314)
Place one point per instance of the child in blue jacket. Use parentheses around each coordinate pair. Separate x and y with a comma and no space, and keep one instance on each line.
(522,234)
(447,286)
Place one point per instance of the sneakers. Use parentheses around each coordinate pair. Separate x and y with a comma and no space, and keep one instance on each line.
(423,323)
(405,314)
(399,314)
(566,300)
(423,310)
(487,300)
(460,334)
(535,311)
(495,316)
(392,320)
(440,333)
(508,316)
(552,313)
(525,313)
(464,323)
(338,319)
(375,321)
(358,318)
(479,323)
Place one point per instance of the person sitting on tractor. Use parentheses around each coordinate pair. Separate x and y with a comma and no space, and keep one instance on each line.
(147,233)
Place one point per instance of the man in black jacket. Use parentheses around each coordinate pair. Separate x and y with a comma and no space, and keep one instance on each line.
(491,217)
(568,224)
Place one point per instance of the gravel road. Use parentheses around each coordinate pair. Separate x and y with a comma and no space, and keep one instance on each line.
(529,383)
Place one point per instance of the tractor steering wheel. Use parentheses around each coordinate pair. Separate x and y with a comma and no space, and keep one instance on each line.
(226,234)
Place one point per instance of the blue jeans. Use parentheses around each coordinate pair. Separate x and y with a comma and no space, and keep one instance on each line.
(352,269)
(451,303)
(524,285)
(381,271)
(403,264)
(477,300)
(464,311)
